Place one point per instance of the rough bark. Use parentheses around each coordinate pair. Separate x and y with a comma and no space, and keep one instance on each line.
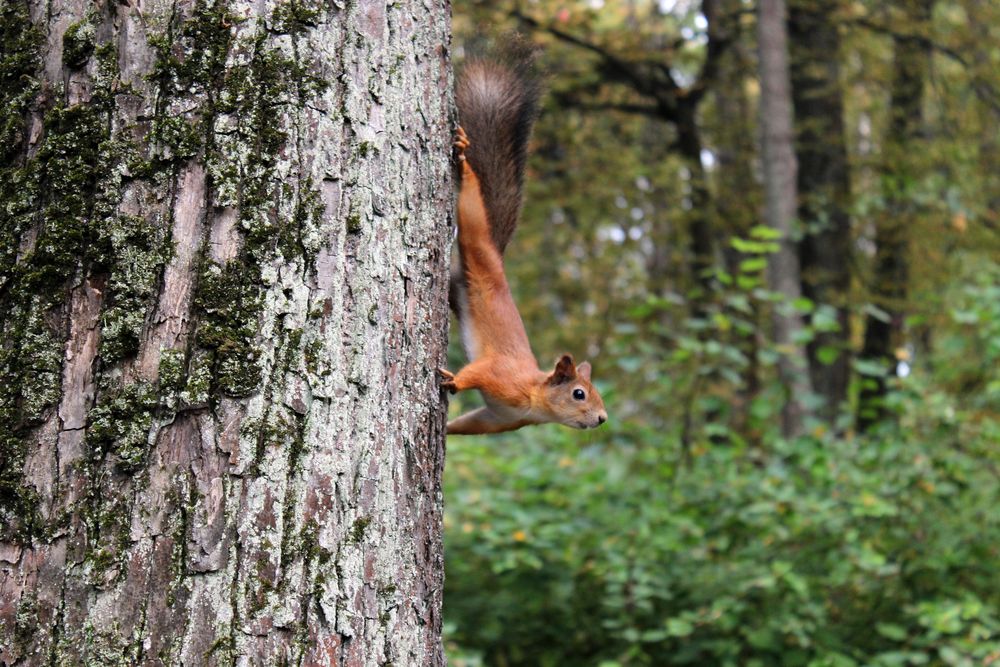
(780,201)
(223,295)
(824,189)
(891,276)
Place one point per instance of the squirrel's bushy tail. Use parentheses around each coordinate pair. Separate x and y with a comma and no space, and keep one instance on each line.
(497,98)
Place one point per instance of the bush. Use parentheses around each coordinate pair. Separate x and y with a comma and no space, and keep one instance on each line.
(879,551)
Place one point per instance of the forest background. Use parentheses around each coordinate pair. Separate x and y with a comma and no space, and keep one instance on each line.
(720,517)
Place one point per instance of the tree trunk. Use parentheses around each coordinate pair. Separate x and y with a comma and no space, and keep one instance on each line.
(780,203)
(699,216)
(738,197)
(884,331)
(223,296)
(824,189)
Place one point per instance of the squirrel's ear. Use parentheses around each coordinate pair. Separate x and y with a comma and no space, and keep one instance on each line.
(565,370)
(583,370)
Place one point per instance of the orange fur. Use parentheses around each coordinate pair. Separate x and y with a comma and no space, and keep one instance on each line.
(502,366)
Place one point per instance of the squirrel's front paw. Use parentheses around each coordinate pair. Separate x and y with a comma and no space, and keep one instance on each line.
(448,380)
(461,143)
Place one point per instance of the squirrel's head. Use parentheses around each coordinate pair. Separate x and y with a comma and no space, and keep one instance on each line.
(570,396)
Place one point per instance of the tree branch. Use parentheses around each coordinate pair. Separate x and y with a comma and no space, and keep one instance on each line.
(650,110)
(613,62)
(719,39)
(983,90)
(922,40)
(663,89)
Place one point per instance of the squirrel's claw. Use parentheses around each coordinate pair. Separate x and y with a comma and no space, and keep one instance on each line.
(447,380)
(461,143)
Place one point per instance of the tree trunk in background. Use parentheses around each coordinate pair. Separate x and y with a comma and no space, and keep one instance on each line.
(824,189)
(884,330)
(689,146)
(223,296)
(983,29)
(780,202)
(699,216)
(738,197)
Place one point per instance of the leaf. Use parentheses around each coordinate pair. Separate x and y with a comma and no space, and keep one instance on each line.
(653,636)
(901,658)
(679,627)
(753,247)
(803,304)
(833,660)
(765,233)
(630,364)
(872,310)
(753,265)
(739,302)
(797,584)
(826,355)
(891,631)
(826,319)
(951,656)
(870,368)
(965,316)
(762,638)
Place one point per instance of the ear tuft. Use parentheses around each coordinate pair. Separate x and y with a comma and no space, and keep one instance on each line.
(565,370)
(583,370)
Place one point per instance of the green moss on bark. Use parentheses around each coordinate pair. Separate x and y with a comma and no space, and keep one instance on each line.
(20,40)
(106,645)
(120,423)
(250,138)
(41,363)
(230,310)
(184,383)
(190,62)
(358,529)
(59,218)
(236,127)
(171,374)
(58,191)
(78,43)
(136,255)
(19,62)
(59,223)
(296,16)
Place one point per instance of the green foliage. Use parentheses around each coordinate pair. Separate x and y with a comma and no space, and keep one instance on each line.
(562,554)
(969,349)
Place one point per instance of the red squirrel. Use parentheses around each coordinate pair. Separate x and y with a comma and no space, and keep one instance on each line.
(496,104)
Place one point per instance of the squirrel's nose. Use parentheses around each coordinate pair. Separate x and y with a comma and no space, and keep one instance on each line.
(601,419)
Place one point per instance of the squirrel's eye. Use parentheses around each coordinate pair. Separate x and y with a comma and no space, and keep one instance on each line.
(579,395)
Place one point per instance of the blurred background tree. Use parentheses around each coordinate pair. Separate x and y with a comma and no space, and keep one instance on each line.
(691,529)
